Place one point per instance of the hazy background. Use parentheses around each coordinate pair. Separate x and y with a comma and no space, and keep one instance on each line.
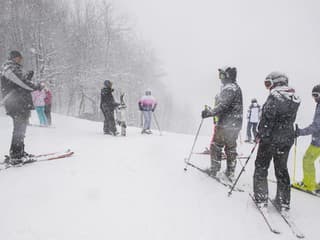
(195,37)
(173,47)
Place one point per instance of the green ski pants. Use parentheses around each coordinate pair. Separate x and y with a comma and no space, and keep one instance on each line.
(309,171)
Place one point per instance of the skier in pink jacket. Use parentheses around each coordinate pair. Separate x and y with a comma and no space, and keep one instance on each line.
(147,104)
(38,98)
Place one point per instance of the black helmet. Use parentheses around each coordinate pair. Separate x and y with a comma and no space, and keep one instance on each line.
(316,91)
(276,79)
(227,74)
(107,83)
(254,100)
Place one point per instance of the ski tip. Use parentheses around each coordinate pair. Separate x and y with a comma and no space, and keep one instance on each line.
(276,231)
(300,236)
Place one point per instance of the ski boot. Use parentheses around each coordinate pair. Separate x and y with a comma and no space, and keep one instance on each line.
(229,175)
(281,207)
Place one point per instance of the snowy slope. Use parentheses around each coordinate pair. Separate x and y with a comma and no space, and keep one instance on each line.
(129,188)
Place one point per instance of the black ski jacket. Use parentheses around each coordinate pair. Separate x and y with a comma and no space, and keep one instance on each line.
(16,88)
(279,112)
(228,107)
(107,102)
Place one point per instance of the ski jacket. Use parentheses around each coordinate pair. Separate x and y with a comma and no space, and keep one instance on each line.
(107,102)
(228,109)
(38,98)
(254,113)
(313,128)
(48,99)
(16,89)
(278,116)
(147,103)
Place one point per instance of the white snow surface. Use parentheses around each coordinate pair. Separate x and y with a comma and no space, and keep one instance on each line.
(131,187)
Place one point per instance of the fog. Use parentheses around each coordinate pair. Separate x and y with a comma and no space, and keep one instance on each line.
(193,38)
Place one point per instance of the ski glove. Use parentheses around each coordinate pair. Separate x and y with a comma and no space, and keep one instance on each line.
(297,132)
(206,113)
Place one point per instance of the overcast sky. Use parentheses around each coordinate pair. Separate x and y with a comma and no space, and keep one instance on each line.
(195,37)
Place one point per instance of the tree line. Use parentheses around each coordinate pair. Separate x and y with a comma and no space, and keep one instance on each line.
(74,47)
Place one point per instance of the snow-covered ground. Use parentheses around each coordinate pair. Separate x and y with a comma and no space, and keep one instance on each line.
(130,187)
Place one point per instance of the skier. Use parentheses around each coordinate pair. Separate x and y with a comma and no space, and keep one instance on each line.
(228,114)
(147,104)
(313,152)
(253,117)
(16,88)
(48,102)
(107,106)
(38,98)
(275,136)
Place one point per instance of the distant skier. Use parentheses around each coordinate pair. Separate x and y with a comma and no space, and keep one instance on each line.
(38,98)
(228,114)
(253,117)
(147,104)
(16,88)
(48,102)
(107,106)
(313,151)
(275,137)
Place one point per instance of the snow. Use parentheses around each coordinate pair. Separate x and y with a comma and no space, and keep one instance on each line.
(131,187)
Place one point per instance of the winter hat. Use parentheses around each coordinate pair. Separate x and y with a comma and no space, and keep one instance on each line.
(228,74)
(14,54)
(107,83)
(276,79)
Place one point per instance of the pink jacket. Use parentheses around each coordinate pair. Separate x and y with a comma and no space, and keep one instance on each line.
(38,98)
(147,103)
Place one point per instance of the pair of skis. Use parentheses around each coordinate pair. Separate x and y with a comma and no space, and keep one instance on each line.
(40,158)
(294,186)
(285,215)
(218,179)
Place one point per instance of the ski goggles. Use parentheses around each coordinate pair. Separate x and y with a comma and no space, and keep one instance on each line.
(315,94)
(222,75)
(268,83)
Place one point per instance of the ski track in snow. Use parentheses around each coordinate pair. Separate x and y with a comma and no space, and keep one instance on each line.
(131,187)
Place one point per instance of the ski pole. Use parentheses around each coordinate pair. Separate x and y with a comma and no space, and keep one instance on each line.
(194,143)
(295,155)
(156,121)
(243,169)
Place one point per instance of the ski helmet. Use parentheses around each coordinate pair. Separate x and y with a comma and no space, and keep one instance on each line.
(316,91)
(107,83)
(227,74)
(254,100)
(276,79)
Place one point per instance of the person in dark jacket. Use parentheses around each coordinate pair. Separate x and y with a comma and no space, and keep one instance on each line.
(276,137)
(253,117)
(16,88)
(228,114)
(107,106)
(313,152)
